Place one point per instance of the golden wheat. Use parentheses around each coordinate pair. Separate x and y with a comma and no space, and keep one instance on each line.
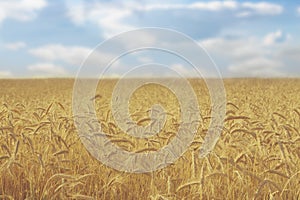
(257,156)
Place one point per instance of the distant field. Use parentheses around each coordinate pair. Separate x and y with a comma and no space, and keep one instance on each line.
(257,156)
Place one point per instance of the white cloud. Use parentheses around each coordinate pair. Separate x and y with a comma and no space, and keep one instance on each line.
(74,56)
(212,6)
(5,74)
(235,49)
(15,46)
(114,17)
(47,69)
(144,38)
(298,10)
(22,10)
(188,71)
(108,16)
(257,66)
(76,12)
(181,69)
(275,37)
(291,53)
(247,56)
(259,8)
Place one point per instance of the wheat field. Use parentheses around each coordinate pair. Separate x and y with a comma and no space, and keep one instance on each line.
(256,157)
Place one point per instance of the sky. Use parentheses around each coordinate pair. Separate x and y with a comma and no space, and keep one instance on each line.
(43,38)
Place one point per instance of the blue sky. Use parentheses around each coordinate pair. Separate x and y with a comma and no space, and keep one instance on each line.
(43,38)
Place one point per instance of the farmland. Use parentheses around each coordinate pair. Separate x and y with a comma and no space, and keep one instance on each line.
(257,155)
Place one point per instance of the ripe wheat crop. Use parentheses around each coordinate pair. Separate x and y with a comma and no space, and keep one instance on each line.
(256,157)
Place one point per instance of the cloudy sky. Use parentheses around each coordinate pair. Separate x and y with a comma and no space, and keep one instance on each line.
(43,38)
